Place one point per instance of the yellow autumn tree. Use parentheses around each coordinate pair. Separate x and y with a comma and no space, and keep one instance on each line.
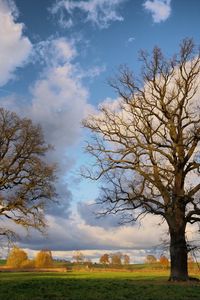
(44,259)
(16,257)
(28,264)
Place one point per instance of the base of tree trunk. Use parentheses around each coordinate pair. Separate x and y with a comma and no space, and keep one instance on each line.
(190,279)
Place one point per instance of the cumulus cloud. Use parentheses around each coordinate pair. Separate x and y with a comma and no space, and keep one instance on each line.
(99,12)
(74,233)
(89,213)
(15,47)
(160,9)
(59,99)
(131,39)
(58,103)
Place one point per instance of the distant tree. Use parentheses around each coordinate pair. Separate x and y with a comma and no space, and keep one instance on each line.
(116,258)
(26,180)
(150,259)
(164,261)
(88,263)
(78,257)
(191,263)
(104,259)
(126,259)
(16,257)
(44,259)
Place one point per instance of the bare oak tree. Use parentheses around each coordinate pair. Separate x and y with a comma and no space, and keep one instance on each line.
(146,144)
(26,180)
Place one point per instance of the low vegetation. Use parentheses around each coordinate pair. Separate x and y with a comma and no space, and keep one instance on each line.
(138,285)
(114,281)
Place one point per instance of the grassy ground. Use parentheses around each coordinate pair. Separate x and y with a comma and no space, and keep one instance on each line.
(94,286)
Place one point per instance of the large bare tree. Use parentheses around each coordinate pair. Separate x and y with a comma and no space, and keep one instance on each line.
(26,180)
(146,145)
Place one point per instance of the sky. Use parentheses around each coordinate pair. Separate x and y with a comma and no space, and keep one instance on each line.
(56,57)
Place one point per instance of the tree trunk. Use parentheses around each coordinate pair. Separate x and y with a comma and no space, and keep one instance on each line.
(178,254)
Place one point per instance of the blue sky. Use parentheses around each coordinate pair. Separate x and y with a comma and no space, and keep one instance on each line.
(56,58)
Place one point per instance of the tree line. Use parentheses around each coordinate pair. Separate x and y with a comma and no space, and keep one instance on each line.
(18,259)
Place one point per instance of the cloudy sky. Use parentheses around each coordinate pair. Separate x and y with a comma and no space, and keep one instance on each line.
(55,59)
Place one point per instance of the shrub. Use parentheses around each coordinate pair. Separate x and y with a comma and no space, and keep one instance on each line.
(28,264)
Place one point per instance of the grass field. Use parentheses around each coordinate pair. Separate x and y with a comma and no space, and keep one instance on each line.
(94,285)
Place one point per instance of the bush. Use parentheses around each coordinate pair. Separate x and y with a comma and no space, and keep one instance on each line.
(44,259)
(28,264)
(16,257)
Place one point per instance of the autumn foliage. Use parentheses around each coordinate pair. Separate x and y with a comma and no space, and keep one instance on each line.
(16,258)
(44,259)
(117,258)
(104,259)
(164,261)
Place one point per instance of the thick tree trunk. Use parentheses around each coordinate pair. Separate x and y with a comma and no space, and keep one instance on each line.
(178,254)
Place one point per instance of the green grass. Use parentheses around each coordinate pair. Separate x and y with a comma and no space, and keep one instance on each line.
(2,262)
(94,286)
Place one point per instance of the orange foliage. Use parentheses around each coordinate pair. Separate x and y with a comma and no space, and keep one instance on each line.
(44,259)
(16,257)
(164,261)
(104,259)
(191,263)
(28,264)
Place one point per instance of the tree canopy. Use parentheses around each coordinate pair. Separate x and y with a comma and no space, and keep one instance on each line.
(26,179)
(44,259)
(16,257)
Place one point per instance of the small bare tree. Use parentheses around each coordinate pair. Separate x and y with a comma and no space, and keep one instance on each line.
(78,257)
(126,259)
(146,146)
(104,259)
(26,180)
(150,259)
(116,258)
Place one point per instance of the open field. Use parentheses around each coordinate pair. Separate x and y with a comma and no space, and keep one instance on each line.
(77,285)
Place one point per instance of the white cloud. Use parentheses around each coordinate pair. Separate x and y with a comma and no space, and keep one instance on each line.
(160,9)
(99,12)
(131,39)
(14,46)
(73,233)
(58,103)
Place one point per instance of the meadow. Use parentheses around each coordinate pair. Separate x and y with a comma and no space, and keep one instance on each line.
(95,285)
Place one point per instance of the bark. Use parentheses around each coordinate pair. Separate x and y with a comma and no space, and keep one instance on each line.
(178,254)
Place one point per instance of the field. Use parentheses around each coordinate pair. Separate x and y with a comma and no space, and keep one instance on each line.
(101,285)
